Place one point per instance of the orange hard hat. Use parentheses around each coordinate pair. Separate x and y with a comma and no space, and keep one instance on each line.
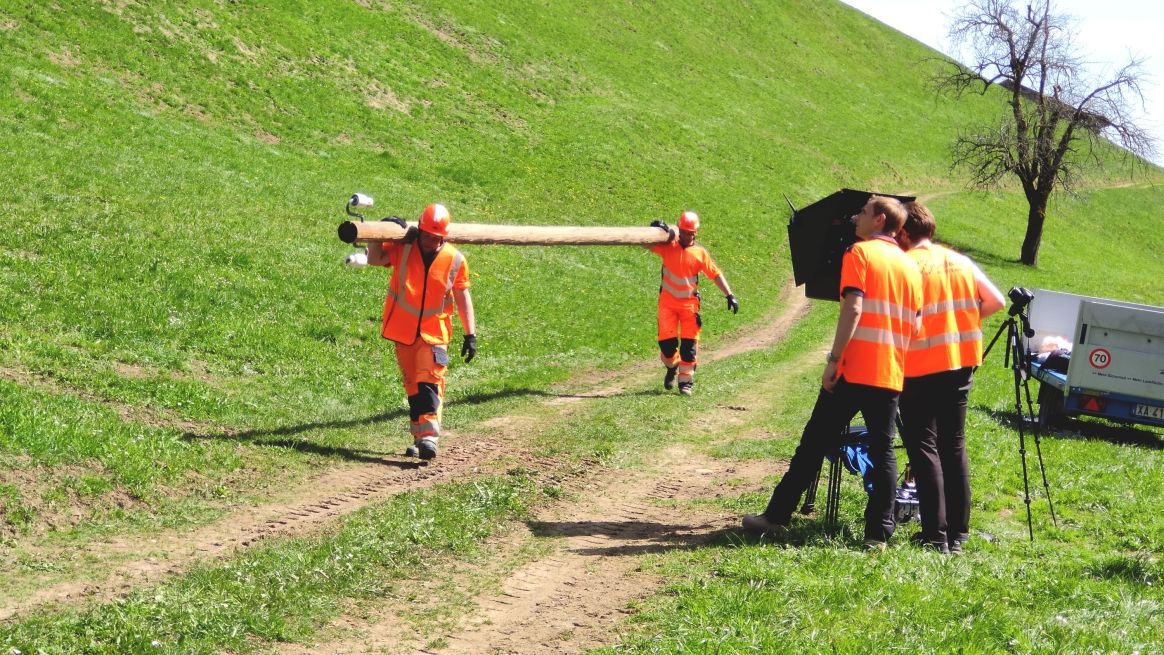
(689,221)
(435,219)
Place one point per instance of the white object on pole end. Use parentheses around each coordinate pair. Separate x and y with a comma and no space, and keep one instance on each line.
(357,259)
(360,201)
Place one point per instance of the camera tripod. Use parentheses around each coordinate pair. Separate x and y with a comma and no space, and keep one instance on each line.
(1015,358)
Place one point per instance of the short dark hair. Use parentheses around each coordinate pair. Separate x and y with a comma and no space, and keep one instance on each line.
(894,213)
(919,222)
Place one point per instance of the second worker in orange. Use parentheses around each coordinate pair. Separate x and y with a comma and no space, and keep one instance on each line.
(679,320)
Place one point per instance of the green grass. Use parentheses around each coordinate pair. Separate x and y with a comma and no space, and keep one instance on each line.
(176,330)
(286,590)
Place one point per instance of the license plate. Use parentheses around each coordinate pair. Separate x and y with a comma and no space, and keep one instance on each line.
(1149,411)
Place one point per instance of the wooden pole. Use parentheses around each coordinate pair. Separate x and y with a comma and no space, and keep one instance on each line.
(513,235)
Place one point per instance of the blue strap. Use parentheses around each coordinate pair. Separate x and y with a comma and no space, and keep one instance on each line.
(855,457)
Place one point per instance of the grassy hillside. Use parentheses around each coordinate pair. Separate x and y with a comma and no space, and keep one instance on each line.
(177,333)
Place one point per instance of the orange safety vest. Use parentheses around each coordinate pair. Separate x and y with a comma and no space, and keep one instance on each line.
(891,288)
(681,269)
(420,303)
(951,332)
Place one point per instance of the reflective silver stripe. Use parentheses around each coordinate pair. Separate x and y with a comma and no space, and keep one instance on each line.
(949,306)
(686,368)
(877,335)
(426,428)
(886,308)
(680,281)
(453,270)
(945,339)
(679,294)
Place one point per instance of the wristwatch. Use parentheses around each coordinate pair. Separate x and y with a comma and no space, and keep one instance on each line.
(830,358)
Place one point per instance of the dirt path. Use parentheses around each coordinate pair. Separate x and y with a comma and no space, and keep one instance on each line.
(573,598)
(136,561)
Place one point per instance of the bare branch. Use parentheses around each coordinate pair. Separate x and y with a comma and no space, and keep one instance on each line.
(1056,119)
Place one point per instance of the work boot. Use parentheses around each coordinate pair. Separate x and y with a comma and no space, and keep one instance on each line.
(919,540)
(875,545)
(956,544)
(669,377)
(412,451)
(685,388)
(761,524)
(427,448)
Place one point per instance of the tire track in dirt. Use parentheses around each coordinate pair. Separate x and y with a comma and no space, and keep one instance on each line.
(319,501)
(574,598)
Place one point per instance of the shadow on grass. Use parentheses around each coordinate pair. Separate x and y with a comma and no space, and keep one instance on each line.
(258,437)
(650,537)
(982,256)
(1083,430)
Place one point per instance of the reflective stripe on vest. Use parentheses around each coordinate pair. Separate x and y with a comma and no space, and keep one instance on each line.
(679,287)
(951,334)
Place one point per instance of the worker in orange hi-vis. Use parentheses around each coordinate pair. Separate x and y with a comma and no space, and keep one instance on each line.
(429,278)
(679,321)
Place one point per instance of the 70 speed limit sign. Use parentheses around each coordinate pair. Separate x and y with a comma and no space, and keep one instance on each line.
(1100,358)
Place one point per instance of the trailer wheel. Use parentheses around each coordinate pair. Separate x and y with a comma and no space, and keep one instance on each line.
(1050,406)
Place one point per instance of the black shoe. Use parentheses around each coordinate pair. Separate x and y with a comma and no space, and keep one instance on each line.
(919,540)
(669,378)
(412,451)
(427,448)
(685,388)
(761,524)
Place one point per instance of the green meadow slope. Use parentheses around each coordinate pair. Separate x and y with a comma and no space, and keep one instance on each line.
(175,172)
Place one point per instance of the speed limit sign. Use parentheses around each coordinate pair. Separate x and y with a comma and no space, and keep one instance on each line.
(1100,358)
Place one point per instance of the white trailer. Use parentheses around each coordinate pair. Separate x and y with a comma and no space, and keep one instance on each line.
(1116,366)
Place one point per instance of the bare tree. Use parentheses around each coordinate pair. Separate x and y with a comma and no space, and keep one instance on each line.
(1057,117)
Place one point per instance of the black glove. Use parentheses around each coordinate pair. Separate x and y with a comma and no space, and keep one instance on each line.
(661,225)
(469,347)
(397,220)
(733,304)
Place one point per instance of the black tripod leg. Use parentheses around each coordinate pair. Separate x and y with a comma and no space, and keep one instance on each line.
(833,501)
(1039,451)
(1016,367)
(810,497)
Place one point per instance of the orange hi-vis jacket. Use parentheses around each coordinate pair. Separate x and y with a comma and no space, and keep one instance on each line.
(891,298)
(420,303)
(681,269)
(951,332)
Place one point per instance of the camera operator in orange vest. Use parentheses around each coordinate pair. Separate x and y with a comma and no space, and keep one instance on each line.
(679,321)
(429,278)
(880,299)
(939,369)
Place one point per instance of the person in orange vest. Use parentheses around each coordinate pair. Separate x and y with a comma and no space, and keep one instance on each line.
(939,369)
(679,321)
(429,277)
(865,369)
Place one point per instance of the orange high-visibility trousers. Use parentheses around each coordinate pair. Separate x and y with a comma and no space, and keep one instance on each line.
(423,367)
(676,320)
(679,319)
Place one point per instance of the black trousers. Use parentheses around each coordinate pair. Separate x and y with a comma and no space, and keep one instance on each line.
(933,427)
(822,434)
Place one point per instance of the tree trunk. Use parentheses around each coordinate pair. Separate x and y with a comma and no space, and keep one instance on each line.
(1034,237)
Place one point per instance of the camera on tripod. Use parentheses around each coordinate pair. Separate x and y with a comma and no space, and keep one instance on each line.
(1020,297)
